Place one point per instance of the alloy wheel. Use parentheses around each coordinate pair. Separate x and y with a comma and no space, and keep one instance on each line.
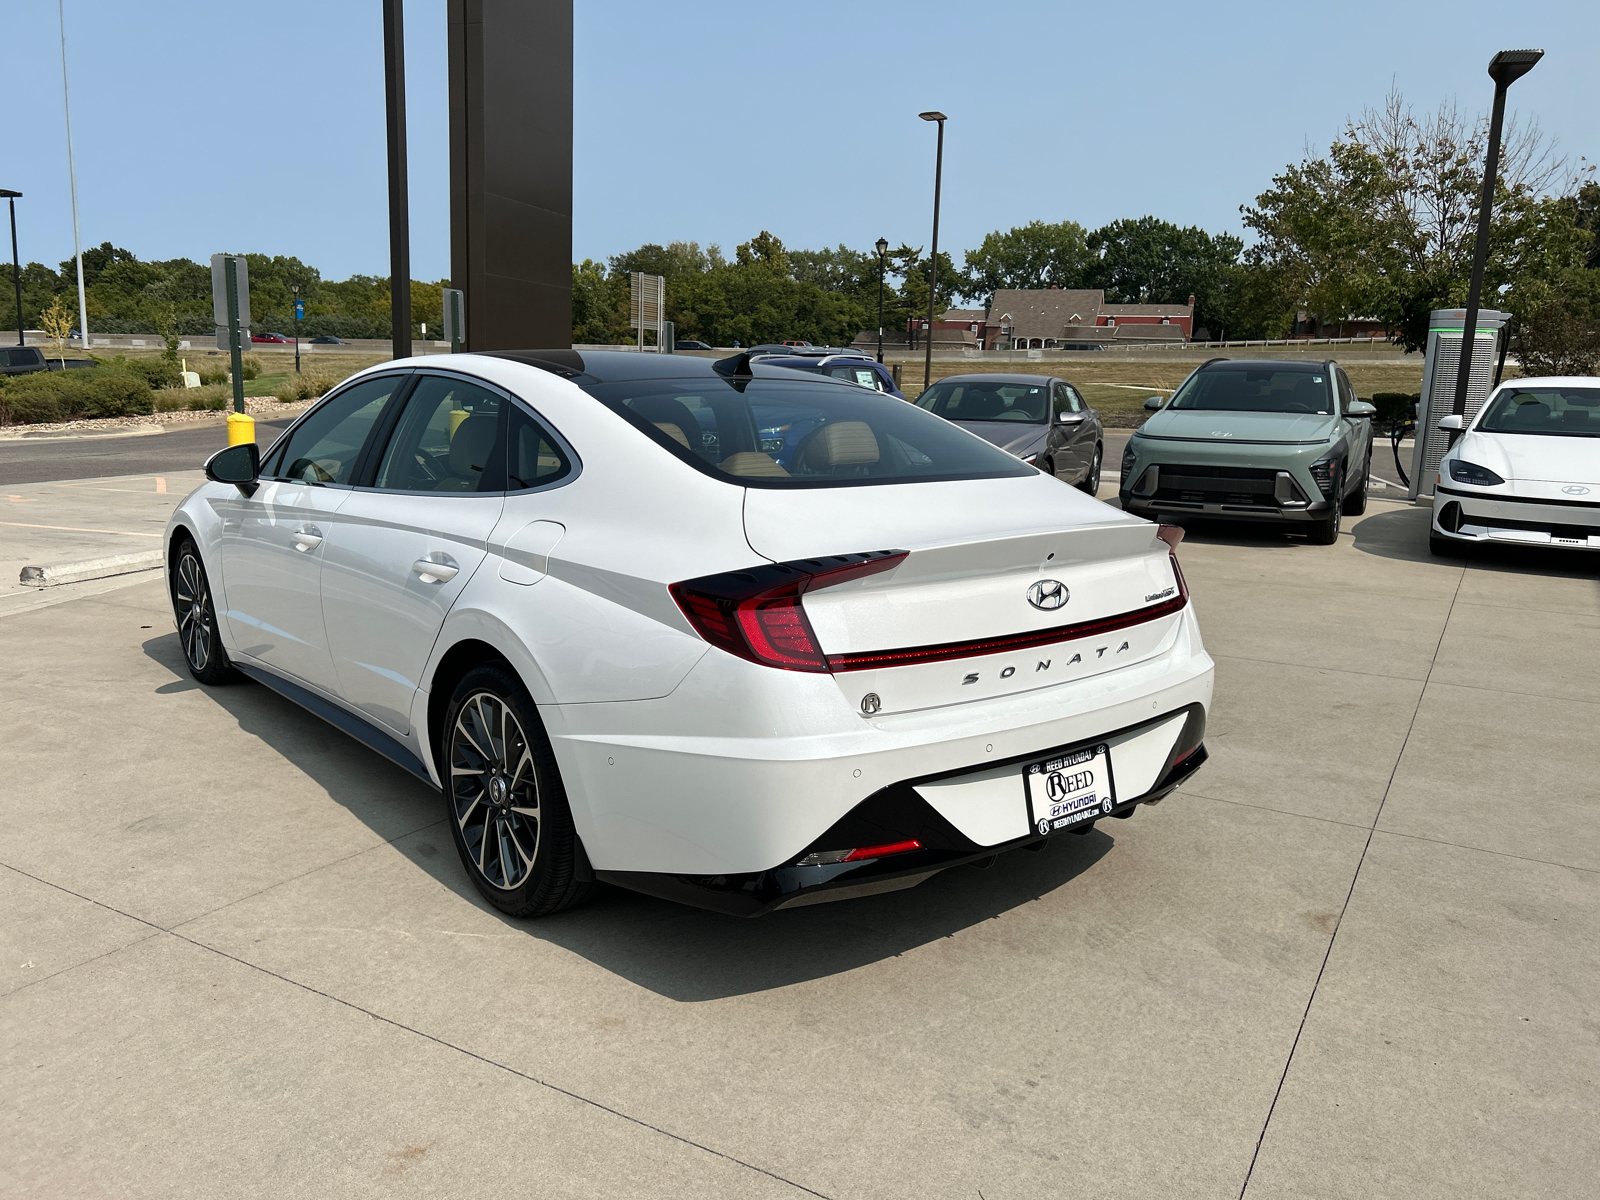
(1092,483)
(192,600)
(493,791)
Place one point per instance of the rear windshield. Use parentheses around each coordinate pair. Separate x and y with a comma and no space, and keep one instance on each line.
(980,401)
(1558,412)
(806,433)
(1257,389)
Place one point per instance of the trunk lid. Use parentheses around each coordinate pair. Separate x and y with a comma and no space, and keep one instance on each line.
(958,608)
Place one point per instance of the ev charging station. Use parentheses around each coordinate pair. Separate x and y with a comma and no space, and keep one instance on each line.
(1440,368)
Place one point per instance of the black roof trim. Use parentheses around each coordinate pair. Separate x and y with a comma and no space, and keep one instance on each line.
(565,363)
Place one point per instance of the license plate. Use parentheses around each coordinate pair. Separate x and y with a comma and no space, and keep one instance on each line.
(1069,789)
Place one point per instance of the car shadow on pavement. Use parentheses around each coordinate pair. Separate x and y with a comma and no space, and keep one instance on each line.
(1400,531)
(676,951)
(689,954)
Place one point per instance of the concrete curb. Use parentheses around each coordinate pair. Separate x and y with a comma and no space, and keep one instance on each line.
(92,568)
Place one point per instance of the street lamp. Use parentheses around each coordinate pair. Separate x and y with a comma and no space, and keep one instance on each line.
(1505,69)
(883,249)
(933,260)
(16,271)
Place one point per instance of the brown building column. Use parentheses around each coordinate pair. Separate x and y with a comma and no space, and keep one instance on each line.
(511,170)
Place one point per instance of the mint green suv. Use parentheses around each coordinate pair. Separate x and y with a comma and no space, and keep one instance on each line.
(1255,441)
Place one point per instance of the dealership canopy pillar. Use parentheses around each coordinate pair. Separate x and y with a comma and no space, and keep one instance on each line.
(511,170)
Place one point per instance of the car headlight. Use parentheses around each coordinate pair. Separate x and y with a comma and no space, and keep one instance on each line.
(1322,472)
(1028,458)
(1129,458)
(1465,472)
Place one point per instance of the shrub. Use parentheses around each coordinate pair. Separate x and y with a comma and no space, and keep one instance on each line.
(1395,406)
(116,394)
(156,372)
(216,370)
(306,386)
(109,391)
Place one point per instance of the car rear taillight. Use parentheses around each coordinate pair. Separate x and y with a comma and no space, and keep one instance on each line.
(756,613)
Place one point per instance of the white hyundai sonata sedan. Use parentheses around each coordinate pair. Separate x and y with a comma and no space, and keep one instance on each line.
(1525,471)
(714,631)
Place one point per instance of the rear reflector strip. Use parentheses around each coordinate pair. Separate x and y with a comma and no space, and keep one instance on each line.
(946,651)
(828,857)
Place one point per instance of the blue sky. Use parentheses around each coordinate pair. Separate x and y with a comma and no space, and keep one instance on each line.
(205,127)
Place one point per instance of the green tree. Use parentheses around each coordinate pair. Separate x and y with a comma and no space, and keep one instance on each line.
(1145,260)
(1035,255)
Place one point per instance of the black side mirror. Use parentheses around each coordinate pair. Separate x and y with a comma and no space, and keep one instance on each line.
(239,465)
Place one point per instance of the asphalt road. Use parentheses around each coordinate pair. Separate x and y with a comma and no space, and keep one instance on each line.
(96,456)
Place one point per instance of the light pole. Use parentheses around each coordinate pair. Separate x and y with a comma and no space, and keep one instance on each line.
(882,248)
(933,260)
(294,289)
(16,272)
(394,72)
(1505,69)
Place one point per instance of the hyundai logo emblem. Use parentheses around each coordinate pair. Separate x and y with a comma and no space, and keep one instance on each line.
(1047,594)
(870,703)
(1576,489)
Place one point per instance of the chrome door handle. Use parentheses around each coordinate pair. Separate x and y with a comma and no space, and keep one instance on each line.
(434,572)
(305,539)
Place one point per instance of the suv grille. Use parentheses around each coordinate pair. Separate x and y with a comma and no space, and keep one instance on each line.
(1234,486)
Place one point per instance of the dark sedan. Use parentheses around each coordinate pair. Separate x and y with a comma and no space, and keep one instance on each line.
(1039,418)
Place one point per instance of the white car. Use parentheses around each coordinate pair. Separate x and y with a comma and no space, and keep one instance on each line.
(1526,470)
(725,633)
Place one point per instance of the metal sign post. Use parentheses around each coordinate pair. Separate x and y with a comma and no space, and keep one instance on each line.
(230,311)
(455,325)
(299,312)
(648,305)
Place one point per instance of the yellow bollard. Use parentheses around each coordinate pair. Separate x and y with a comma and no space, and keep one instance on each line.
(241,428)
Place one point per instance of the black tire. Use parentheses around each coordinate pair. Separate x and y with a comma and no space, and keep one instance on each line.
(1048,466)
(196,614)
(1356,502)
(1091,481)
(1325,532)
(504,800)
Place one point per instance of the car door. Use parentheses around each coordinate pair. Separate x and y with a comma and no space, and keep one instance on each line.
(410,537)
(1066,433)
(1357,430)
(271,549)
(1091,434)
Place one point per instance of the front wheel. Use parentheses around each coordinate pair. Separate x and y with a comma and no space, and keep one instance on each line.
(196,614)
(1091,481)
(506,804)
(1325,532)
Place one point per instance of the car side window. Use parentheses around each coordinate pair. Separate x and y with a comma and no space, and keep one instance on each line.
(1347,394)
(1066,401)
(1078,403)
(325,446)
(534,458)
(445,440)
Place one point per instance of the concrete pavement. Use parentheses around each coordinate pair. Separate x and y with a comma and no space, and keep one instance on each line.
(1355,957)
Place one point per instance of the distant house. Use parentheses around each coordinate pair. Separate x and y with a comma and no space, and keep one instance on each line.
(1056,318)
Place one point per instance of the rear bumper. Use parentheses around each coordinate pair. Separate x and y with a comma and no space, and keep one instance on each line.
(893,814)
(743,768)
